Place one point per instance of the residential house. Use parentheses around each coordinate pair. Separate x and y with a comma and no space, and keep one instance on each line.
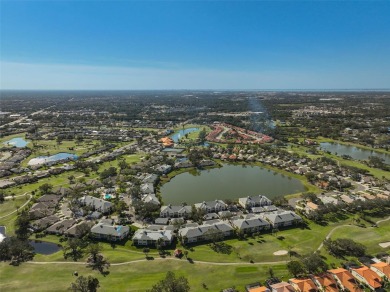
(251,225)
(328,200)
(264,209)
(151,237)
(147,188)
(164,168)
(310,207)
(151,199)
(79,229)
(256,287)
(326,282)
(110,232)
(303,285)
(254,201)
(60,227)
(211,206)
(196,233)
(44,223)
(175,211)
(282,218)
(368,277)
(345,279)
(96,204)
(382,269)
(282,287)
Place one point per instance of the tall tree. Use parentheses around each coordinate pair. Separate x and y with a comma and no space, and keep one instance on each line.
(84,284)
(171,284)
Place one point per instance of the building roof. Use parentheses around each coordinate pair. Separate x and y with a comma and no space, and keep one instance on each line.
(305,285)
(216,204)
(176,209)
(110,230)
(153,235)
(383,267)
(255,200)
(346,279)
(96,203)
(327,282)
(250,223)
(258,289)
(282,287)
(371,277)
(195,231)
(281,217)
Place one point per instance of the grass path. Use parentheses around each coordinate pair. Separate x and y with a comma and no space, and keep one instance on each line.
(21,207)
(347,225)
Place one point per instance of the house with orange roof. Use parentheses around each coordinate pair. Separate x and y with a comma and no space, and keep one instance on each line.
(382,269)
(368,277)
(326,283)
(282,287)
(167,142)
(310,207)
(257,289)
(303,285)
(345,279)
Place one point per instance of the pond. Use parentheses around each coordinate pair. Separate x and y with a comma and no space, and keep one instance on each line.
(354,152)
(52,158)
(228,182)
(43,247)
(179,134)
(17,142)
(2,233)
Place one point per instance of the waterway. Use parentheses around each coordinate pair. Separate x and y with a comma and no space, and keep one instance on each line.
(179,134)
(354,152)
(52,158)
(43,247)
(228,182)
(17,142)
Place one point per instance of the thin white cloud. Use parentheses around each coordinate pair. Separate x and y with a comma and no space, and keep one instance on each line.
(61,76)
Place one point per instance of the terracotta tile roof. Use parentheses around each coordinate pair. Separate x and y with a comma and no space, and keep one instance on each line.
(312,206)
(327,282)
(383,267)
(305,285)
(282,287)
(346,279)
(371,277)
(259,289)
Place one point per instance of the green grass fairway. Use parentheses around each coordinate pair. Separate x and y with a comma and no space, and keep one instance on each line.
(133,277)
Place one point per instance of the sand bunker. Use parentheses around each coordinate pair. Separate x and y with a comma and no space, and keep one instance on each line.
(384,244)
(280,252)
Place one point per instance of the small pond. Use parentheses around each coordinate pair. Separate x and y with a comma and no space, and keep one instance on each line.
(179,134)
(43,247)
(354,152)
(2,233)
(228,182)
(17,142)
(52,158)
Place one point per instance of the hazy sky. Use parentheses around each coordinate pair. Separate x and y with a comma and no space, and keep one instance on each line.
(194,44)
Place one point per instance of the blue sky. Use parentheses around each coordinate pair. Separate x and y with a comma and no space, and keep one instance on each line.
(195,44)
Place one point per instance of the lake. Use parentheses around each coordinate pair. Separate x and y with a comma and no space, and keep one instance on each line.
(354,152)
(228,182)
(52,158)
(179,134)
(43,247)
(17,142)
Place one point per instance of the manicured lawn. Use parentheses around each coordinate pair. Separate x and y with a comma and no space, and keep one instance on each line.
(369,236)
(10,205)
(133,277)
